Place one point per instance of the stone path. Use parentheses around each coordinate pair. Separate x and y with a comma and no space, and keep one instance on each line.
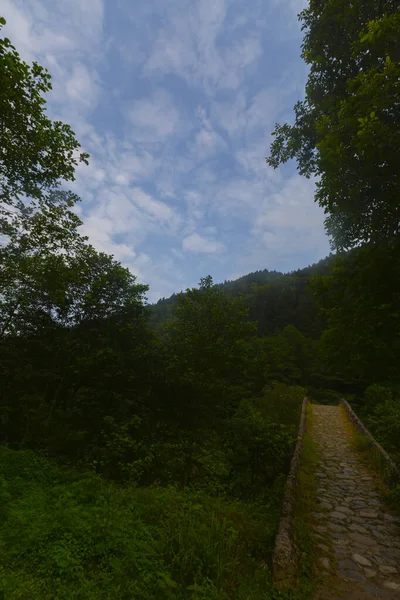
(357,537)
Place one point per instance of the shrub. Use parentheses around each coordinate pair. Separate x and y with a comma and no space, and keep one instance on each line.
(261,439)
(376,394)
(384,423)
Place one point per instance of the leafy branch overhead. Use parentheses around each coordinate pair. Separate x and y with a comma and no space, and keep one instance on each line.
(36,153)
(347,129)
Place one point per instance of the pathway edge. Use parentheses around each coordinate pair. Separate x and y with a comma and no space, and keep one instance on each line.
(286,554)
(390,465)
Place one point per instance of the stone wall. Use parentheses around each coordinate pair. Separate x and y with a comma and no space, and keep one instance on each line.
(286,554)
(391,470)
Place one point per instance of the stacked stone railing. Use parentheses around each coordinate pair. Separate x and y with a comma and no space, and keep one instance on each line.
(390,471)
(286,554)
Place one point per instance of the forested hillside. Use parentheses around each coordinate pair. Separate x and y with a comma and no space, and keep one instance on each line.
(146,447)
(273,299)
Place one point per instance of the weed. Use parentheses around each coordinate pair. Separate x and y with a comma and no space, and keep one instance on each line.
(372,457)
(69,536)
(360,442)
(305,503)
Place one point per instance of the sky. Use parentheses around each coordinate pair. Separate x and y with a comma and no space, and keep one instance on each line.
(175,101)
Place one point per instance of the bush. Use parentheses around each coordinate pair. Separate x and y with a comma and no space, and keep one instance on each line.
(384,423)
(324,396)
(261,439)
(376,394)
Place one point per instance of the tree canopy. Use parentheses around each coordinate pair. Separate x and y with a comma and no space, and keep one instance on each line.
(347,129)
(36,152)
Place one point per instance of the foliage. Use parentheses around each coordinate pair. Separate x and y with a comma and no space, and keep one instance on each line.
(66,534)
(206,346)
(182,417)
(261,438)
(346,131)
(384,423)
(376,394)
(361,302)
(274,300)
(36,152)
(304,507)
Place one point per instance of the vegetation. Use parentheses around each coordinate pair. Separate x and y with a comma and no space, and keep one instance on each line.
(305,505)
(346,130)
(148,446)
(66,534)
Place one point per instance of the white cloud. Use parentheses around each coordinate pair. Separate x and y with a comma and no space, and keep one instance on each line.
(122,179)
(208,142)
(155,208)
(189,45)
(197,243)
(290,219)
(65,38)
(81,86)
(155,118)
(37,28)
(175,103)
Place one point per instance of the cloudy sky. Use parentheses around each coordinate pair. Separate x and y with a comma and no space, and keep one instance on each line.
(175,101)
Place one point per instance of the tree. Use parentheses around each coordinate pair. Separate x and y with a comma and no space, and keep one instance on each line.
(347,130)
(361,301)
(35,152)
(74,337)
(206,343)
(206,367)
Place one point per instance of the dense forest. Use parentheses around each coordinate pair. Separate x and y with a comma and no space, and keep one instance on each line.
(145,447)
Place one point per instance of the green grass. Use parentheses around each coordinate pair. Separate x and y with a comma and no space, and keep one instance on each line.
(360,442)
(305,503)
(373,458)
(66,535)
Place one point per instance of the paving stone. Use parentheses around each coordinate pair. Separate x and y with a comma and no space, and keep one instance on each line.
(358,528)
(347,564)
(370,573)
(326,505)
(391,585)
(343,542)
(343,509)
(387,570)
(358,537)
(361,560)
(337,528)
(336,515)
(362,539)
(390,518)
(370,514)
(354,576)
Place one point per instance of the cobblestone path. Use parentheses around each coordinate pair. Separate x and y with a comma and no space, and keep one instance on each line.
(357,537)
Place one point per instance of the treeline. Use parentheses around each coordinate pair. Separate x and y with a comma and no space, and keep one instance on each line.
(273,300)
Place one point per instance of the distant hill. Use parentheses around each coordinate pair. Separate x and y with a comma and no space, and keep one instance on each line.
(274,299)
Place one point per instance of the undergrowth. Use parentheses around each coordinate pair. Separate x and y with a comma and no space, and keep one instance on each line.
(66,535)
(388,486)
(305,502)
(373,458)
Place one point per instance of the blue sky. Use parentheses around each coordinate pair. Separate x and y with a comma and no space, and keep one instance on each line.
(175,102)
